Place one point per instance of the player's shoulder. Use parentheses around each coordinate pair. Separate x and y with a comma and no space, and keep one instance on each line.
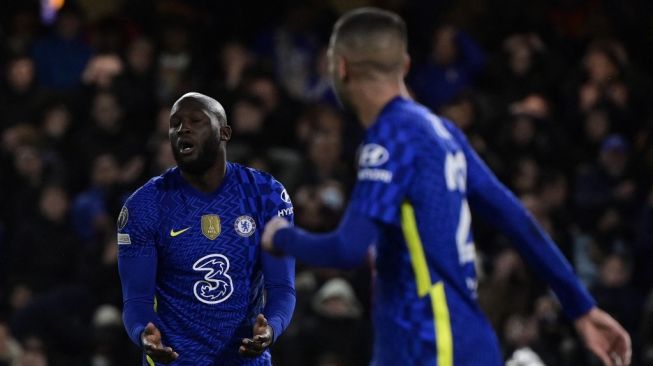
(148,193)
(404,112)
(263,180)
(271,193)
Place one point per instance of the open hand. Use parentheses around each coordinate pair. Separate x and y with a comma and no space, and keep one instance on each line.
(262,338)
(605,338)
(153,347)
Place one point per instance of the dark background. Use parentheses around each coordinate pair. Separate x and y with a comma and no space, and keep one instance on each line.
(555,96)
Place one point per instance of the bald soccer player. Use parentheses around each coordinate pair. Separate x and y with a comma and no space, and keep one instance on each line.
(419,183)
(192,270)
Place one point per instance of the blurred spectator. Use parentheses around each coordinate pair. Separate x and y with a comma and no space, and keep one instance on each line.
(92,210)
(615,293)
(62,55)
(111,133)
(22,93)
(45,246)
(21,29)
(233,59)
(508,290)
(292,48)
(174,62)
(101,70)
(607,186)
(336,331)
(280,112)
(523,67)
(453,65)
(10,350)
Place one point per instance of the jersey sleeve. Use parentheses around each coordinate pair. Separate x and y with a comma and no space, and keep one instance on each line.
(495,204)
(385,170)
(137,225)
(137,261)
(278,272)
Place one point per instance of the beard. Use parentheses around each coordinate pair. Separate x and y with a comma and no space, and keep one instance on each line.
(207,155)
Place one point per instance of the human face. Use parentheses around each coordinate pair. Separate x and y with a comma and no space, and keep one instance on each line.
(194,137)
(336,73)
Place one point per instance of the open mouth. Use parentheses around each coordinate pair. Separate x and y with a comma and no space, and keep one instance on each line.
(185,147)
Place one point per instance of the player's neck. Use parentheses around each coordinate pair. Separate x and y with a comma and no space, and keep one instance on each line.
(210,180)
(372,96)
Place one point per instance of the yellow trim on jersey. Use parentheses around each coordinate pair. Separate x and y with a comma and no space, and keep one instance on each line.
(442,324)
(438,297)
(416,249)
(150,361)
(156,304)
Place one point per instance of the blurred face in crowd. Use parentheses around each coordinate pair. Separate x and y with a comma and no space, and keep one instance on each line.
(523,131)
(614,272)
(68,24)
(247,117)
(265,89)
(195,135)
(140,55)
(445,51)
(56,121)
(324,152)
(597,125)
(600,67)
(105,170)
(106,111)
(461,112)
(28,162)
(20,74)
(54,204)
(614,161)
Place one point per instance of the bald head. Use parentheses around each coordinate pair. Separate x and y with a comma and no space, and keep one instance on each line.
(211,106)
(371,40)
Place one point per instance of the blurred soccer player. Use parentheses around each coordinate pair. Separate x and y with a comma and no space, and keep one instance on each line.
(417,178)
(192,271)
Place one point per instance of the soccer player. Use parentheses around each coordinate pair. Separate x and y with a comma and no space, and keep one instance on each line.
(418,183)
(192,270)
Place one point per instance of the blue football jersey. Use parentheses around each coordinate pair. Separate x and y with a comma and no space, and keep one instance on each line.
(209,264)
(412,177)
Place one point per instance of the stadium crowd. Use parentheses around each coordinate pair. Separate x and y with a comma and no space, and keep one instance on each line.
(554,95)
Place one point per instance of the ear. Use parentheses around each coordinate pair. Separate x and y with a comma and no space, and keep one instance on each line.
(225,133)
(341,68)
(406,64)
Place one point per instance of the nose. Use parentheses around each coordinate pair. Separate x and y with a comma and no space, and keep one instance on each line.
(183,128)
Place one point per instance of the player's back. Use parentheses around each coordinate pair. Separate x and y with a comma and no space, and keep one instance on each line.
(414,170)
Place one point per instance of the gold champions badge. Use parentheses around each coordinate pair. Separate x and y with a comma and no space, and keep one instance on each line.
(211,226)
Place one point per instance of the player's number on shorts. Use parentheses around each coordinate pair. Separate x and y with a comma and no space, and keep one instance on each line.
(456,176)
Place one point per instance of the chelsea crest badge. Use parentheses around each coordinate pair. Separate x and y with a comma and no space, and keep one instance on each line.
(245,226)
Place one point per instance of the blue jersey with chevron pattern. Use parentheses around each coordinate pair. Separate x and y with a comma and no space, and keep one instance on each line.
(412,177)
(210,267)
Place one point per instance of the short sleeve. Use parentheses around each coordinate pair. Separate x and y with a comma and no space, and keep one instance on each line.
(137,224)
(385,170)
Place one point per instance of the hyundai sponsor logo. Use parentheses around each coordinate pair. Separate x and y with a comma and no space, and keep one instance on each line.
(372,155)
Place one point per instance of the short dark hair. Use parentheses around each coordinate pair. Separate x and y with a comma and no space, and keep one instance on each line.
(373,40)
(369,21)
